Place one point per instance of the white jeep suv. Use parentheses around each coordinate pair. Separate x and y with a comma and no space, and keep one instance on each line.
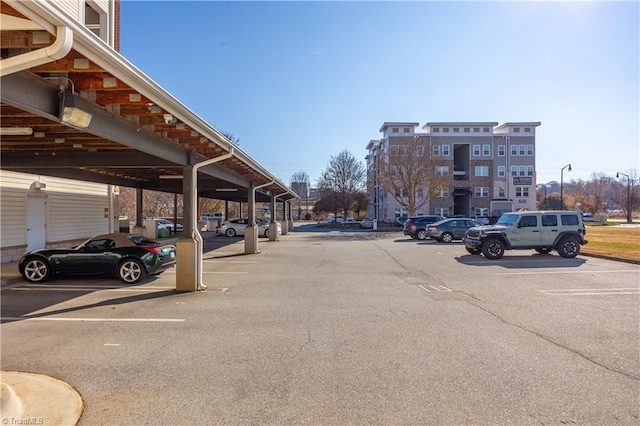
(541,231)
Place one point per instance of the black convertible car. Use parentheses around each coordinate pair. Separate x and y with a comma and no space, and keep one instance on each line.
(128,256)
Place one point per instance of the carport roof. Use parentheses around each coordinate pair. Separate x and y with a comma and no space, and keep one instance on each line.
(139,136)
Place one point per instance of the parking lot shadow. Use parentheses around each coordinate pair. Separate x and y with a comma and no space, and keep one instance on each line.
(25,305)
(533,261)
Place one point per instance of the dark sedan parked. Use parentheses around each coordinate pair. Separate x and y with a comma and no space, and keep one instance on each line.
(448,230)
(416,226)
(130,257)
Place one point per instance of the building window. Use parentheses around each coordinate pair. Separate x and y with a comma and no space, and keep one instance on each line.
(436,150)
(482,171)
(522,191)
(530,150)
(420,192)
(436,130)
(523,170)
(445,150)
(444,212)
(395,130)
(501,150)
(486,150)
(516,130)
(467,129)
(482,191)
(420,150)
(514,170)
(456,130)
(476,130)
(407,130)
(501,171)
(529,170)
(445,130)
(514,150)
(485,129)
(527,129)
(523,149)
(443,193)
(501,193)
(442,170)
(476,150)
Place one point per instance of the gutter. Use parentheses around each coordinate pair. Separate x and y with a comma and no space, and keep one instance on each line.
(58,50)
(193,206)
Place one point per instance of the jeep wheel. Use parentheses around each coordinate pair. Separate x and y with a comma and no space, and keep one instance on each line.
(493,248)
(421,234)
(447,237)
(474,251)
(545,250)
(569,247)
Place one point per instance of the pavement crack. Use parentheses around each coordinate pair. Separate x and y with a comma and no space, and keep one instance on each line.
(305,344)
(547,339)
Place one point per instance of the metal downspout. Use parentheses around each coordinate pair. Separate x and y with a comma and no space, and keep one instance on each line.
(195,234)
(58,50)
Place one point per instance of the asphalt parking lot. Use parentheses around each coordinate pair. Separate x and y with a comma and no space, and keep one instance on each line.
(331,327)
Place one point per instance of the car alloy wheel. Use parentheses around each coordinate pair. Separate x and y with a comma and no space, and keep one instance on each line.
(36,270)
(569,247)
(230,232)
(130,271)
(446,237)
(493,249)
(421,234)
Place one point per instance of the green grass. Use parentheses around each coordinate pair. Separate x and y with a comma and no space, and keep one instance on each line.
(618,241)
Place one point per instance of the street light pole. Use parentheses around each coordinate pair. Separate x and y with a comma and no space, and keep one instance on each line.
(628,194)
(562,184)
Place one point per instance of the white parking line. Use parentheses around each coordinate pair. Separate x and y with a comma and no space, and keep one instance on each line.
(216,272)
(431,288)
(592,291)
(569,272)
(93,319)
(86,289)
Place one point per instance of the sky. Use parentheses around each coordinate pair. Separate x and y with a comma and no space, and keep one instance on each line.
(298,82)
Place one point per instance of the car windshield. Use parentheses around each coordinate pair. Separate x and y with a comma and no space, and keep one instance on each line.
(507,219)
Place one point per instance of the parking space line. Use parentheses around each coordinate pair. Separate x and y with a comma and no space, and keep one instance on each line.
(85,289)
(71,319)
(592,291)
(432,288)
(568,272)
(216,272)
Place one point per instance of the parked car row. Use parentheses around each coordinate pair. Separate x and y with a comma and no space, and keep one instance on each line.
(542,231)
(236,227)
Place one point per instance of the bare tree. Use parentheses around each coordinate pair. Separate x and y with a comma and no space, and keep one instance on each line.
(345,177)
(409,173)
(234,140)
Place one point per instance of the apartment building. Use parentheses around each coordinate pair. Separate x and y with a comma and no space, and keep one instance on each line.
(490,167)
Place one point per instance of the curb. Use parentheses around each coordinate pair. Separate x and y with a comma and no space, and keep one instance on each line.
(39,399)
(607,257)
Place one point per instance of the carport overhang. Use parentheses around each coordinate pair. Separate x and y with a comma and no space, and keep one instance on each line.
(138,136)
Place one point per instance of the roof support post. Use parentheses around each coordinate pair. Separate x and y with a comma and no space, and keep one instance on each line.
(189,247)
(285,219)
(251,231)
(273,226)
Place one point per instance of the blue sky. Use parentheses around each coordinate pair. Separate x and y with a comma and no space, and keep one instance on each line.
(299,82)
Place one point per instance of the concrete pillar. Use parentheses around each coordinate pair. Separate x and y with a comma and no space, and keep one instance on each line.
(187,265)
(290,218)
(251,231)
(273,226)
(285,221)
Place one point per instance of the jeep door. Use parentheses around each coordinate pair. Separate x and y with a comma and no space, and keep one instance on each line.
(527,231)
